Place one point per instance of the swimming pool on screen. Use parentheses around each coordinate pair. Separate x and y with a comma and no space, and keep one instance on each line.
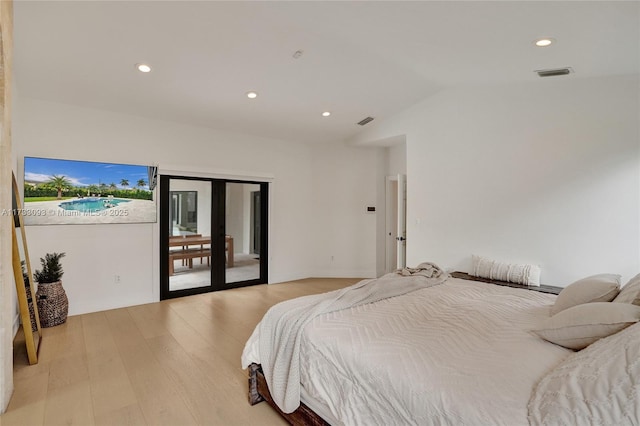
(91,204)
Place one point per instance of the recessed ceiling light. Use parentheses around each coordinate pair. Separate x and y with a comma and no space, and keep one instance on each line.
(143,67)
(252,95)
(326,114)
(544,42)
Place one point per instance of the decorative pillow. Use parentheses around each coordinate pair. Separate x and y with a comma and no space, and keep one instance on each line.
(596,288)
(511,272)
(630,293)
(596,386)
(579,326)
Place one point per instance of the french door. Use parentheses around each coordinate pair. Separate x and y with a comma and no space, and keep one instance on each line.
(213,234)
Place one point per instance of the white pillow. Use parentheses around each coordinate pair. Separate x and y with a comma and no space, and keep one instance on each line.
(511,272)
(596,288)
(596,386)
(579,326)
(630,293)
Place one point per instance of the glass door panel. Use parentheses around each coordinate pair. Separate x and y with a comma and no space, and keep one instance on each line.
(189,234)
(243,232)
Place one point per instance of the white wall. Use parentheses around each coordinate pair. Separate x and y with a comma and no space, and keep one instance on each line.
(345,182)
(397,159)
(97,252)
(545,173)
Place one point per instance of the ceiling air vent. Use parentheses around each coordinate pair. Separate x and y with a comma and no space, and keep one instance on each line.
(554,72)
(365,121)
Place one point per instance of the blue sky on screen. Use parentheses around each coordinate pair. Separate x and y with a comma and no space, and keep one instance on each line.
(83,173)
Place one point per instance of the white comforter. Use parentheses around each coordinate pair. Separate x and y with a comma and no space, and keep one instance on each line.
(278,335)
(457,353)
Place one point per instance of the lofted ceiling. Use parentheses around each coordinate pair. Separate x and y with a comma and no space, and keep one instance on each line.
(359,58)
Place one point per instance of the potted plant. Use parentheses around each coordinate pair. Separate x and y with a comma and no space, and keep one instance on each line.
(53,304)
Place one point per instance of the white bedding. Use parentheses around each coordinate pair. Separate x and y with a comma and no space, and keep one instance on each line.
(456,353)
(276,339)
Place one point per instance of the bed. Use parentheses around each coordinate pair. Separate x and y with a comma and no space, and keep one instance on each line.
(449,352)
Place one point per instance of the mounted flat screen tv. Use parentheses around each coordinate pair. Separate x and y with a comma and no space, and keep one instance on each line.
(67,192)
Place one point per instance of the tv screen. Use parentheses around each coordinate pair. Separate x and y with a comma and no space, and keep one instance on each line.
(84,192)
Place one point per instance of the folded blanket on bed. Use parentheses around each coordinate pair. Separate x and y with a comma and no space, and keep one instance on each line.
(278,335)
(426,269)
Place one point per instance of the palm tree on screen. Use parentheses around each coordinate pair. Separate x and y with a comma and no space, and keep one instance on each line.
(59,183)
(141,183)
(124,183)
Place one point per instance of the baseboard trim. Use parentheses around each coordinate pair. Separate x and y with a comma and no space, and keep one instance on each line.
(345,273)
(282,278)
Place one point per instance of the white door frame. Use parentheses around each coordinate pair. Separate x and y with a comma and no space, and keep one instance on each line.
(391,224)
(395,226)
(401,239)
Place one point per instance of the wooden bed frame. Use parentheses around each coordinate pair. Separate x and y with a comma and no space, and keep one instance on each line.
(305,416)
(259,391)
(541,288)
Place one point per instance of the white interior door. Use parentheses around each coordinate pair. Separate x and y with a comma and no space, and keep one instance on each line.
(391,229)
(401,239)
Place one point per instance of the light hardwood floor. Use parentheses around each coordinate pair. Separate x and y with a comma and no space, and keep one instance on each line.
(176,362)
